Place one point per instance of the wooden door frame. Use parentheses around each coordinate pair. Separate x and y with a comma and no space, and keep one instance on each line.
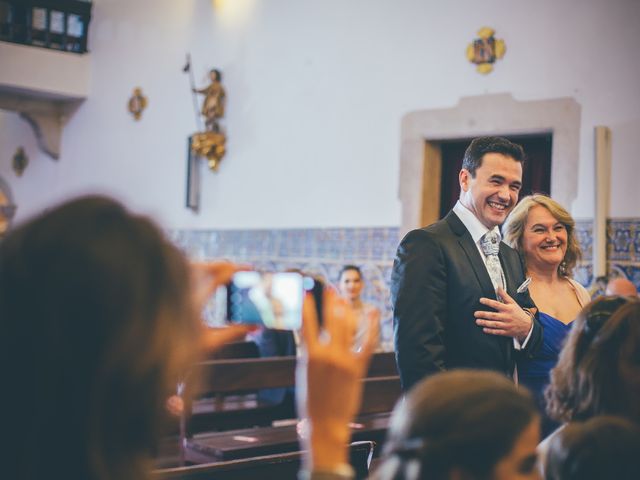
(499,114)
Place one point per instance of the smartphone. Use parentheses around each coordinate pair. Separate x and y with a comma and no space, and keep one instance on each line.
(273,300)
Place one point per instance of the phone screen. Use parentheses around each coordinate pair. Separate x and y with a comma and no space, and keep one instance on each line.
(270,299)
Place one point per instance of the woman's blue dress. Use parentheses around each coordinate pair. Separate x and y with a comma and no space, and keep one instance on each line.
(534,373)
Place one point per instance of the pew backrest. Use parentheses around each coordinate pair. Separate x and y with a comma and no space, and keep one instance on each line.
(250,374)
(280,466)
(247,349)
(225,384)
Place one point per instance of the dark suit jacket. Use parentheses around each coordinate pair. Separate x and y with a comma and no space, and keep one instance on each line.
(437,280)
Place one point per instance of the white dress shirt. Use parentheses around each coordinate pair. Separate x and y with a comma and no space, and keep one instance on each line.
(477,230)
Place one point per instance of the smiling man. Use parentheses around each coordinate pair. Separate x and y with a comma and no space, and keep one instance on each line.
(441,272)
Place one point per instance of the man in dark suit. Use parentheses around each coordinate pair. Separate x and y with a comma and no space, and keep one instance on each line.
(447,277)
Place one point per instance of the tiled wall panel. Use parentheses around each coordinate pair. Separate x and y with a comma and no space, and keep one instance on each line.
(324,251)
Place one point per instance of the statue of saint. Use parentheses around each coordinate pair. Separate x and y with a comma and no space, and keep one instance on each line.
(214,100)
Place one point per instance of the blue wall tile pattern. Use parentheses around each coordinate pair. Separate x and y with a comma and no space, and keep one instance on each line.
(320,252)
(323,252)
(623,248)
(583,272)
(623,251)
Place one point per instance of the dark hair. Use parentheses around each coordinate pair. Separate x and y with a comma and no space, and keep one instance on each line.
(598,371)
(217,73)
(602,447)
(98,324)
(464,419)
(480,146)
(346,268)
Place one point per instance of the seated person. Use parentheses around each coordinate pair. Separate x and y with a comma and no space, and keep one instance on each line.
(602,447)
(454,425)
(350,285)
(598,372)
(100,318)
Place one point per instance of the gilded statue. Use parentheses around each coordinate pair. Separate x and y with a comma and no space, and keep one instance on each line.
(211,141)
(214,101)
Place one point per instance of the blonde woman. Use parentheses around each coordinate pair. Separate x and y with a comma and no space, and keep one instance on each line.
(543,232)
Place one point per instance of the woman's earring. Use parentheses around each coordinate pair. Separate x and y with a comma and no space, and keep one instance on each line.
(563,268)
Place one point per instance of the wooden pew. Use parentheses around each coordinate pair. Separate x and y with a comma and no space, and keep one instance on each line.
(383,364)
(236,350)
(224,393)
(381,390)
(380,394)
(283,466)
(229,410)
(238,375)
(220,388)
(250,442)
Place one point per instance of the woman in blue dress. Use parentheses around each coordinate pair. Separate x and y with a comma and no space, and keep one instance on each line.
(544,234)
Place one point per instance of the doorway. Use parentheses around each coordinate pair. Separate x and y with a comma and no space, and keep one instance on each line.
(423,132)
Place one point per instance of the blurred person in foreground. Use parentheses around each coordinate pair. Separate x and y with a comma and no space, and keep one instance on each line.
(598,372)
(602,447)
(543,232)
(100,317)
(457,425)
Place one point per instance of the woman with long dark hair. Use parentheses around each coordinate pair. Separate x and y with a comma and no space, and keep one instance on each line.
(100,318)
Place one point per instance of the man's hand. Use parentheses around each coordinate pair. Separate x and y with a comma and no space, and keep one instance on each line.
(509,319)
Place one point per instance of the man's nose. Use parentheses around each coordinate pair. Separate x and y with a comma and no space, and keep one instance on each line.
(504,193)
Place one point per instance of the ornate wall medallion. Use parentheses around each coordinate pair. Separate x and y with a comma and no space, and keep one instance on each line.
(484,51)
(137,103)
(20,161)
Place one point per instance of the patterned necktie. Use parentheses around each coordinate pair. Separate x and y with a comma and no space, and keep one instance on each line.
(490,245)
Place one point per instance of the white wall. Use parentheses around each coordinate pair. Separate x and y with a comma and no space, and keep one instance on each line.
(316,90)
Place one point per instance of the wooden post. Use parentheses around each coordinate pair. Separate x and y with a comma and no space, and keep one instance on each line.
(602,186)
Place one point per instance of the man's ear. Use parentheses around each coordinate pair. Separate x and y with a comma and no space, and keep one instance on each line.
(464,177)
